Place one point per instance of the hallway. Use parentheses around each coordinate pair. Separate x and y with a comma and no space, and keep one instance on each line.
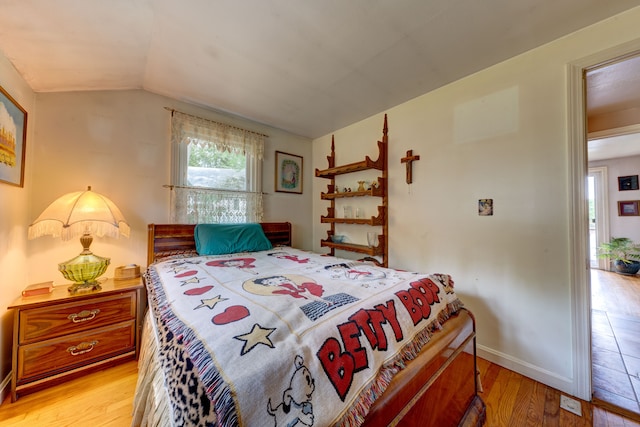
(616,340)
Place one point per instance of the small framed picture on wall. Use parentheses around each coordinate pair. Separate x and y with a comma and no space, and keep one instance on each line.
(485,207)
(288,173)
(628,208)
(627,182)
(13,140)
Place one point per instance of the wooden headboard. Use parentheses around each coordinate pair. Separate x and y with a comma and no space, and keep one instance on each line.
(178,238)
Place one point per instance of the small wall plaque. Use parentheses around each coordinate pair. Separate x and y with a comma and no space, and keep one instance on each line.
(628,208)
(485,207)
(627,182)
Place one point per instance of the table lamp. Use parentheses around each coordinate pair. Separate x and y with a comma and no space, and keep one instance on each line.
(84,214)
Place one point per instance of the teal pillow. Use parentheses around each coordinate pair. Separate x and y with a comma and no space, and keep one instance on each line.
(220,239)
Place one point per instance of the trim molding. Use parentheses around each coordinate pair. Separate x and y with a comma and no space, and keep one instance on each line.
(624,130)
(600,174)
(5,386)
(578,239)
(537,373)
(578,234)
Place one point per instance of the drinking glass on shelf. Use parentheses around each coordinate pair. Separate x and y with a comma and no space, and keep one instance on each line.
(372,239)
(348,212)
(359,213)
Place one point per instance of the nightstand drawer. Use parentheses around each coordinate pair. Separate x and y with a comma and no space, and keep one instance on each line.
(49,357)
(57,320)
(60,336)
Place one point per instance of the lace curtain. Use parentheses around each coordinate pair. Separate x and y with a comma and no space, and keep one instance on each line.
(190,129)
(203,205)
(193,205)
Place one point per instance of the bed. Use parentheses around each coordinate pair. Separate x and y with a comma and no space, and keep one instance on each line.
(318,340)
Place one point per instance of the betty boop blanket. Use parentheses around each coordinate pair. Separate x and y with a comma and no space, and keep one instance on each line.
(285,337)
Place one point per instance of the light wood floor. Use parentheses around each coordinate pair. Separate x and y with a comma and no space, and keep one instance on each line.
(615,338)
(615,293)
(105,398)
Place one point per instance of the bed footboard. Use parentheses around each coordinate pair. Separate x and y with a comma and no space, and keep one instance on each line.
(439,387)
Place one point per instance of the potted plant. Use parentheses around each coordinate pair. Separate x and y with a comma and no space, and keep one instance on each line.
(623,252)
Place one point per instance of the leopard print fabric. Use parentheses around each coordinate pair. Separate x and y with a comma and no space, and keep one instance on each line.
(190,404)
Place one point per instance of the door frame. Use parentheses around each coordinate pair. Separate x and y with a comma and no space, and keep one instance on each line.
(601,186)
(578,211)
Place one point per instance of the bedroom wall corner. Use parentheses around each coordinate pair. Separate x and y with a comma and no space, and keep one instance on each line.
(292,207)
(14,220)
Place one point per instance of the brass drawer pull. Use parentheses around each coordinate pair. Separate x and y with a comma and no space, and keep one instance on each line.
(83,347)
(83,316)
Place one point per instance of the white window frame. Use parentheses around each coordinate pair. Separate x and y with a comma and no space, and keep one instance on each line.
(202,204)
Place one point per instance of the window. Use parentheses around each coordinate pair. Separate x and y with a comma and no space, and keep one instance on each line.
(216,172)
(212,168)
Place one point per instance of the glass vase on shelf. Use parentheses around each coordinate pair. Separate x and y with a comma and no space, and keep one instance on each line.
(372,239)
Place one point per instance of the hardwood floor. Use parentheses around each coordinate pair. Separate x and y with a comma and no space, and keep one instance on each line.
(615,336)
(615,293)
(105,398)
(514,400)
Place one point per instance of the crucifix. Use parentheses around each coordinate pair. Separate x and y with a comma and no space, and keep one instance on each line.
(408,160)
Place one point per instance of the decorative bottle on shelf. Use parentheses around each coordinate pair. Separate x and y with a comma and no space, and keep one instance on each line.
(372,239)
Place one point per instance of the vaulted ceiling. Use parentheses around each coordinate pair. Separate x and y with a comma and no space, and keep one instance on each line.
(305,66)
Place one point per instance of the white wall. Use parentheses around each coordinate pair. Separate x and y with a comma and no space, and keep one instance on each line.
(621,226)
(14,220)
(118,143)
(502,134)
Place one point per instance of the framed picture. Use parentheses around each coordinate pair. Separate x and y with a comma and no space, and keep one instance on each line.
(13,138)
(288,173)
(485,207)
(628,182)
(628,208)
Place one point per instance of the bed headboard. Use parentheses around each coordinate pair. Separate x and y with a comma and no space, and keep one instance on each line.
(178,238)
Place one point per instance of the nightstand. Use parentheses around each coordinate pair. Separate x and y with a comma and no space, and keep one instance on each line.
(58,336)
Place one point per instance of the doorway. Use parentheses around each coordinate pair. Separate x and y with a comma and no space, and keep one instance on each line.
(598,214)
(615,310)
(578,241)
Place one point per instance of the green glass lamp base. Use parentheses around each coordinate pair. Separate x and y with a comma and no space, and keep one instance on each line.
(83,270)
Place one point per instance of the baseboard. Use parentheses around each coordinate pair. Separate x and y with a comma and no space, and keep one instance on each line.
(5,387)
(537,373)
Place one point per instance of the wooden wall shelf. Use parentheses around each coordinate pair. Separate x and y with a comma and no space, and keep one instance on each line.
(381,219)
(367,164)
(363,249)
(380,190)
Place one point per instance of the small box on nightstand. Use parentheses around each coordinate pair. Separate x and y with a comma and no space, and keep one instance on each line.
(126,272)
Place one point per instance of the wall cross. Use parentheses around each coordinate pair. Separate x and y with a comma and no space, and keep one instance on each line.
(408,160)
